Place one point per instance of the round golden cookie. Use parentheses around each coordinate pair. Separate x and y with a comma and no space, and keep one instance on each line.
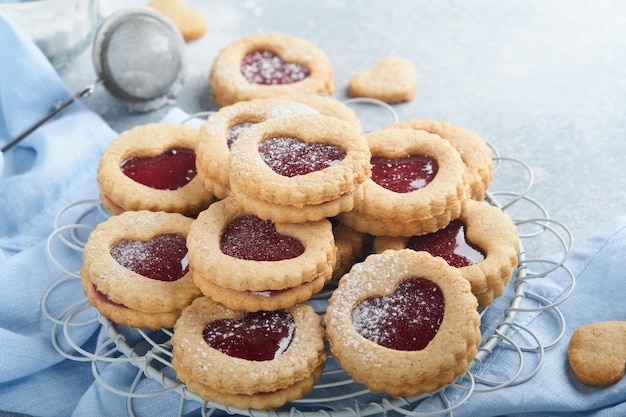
(488,230)
(223,127)
(136,262)
(126,316)
(118,192)
(281,213)
(267,300)
(301,64)
(237,258)
(596,353)
(207,335)
(417,356)
(423,209)
(317,161)
(473,150)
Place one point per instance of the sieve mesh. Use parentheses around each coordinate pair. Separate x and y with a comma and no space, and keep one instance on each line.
(139,56)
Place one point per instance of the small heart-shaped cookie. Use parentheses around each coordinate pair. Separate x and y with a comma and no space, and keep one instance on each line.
(190,22)
(597,353)
(393,80)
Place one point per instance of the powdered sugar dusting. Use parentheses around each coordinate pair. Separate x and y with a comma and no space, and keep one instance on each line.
(252,238)
(282,110)
(163,258)
(266,68)
(290,156)
(406,320)
(259,336)
(234,132)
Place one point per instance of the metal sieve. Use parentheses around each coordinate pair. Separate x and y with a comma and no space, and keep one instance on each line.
(138,55)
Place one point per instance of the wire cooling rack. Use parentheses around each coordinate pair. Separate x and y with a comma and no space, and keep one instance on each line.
(145,356)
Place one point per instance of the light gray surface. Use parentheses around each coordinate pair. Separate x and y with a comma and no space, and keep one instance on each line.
(543,81)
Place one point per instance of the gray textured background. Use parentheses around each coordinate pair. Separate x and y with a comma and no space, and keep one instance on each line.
(543,81)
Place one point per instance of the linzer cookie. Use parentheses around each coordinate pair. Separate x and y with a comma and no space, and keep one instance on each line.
(404,323)
(135,269)
(153,167)
(223,127)
(247,263)
(482,243)
(267,65)
(473,150)
(417,185)
(247,360)
(299,168)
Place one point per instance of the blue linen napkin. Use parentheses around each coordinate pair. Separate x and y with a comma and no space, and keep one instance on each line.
(56,166)
(599,266)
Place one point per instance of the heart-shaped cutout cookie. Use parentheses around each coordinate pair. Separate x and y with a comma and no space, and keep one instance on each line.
(252,238)
(290,157)
(597,353)
(259,336)
(190,22)
(264,67)
(393,80)
(403,175)
(449,243)
(170,170)
(163,258)
(406,320)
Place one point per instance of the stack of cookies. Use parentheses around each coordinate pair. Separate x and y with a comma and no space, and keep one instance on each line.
(286,193)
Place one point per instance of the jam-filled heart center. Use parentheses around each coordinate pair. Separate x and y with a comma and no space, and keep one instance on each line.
(406,320)
(264,67)
(252,238)
(450,244)
(233,133)
(163,258)
(259,336)
(403,175)
(170,170)
(290,156)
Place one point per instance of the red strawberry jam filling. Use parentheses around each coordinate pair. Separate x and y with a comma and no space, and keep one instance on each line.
(171,170)
(450,244)
(266,68)
(233,133)
(163,258)
(403,175)
(406,320)
(259,336)
(269,293)
(102,297)
(290,156)
(254,239)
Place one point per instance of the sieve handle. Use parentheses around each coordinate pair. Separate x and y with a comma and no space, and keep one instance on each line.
(86,92)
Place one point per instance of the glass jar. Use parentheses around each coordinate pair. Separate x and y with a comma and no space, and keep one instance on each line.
(62,29)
